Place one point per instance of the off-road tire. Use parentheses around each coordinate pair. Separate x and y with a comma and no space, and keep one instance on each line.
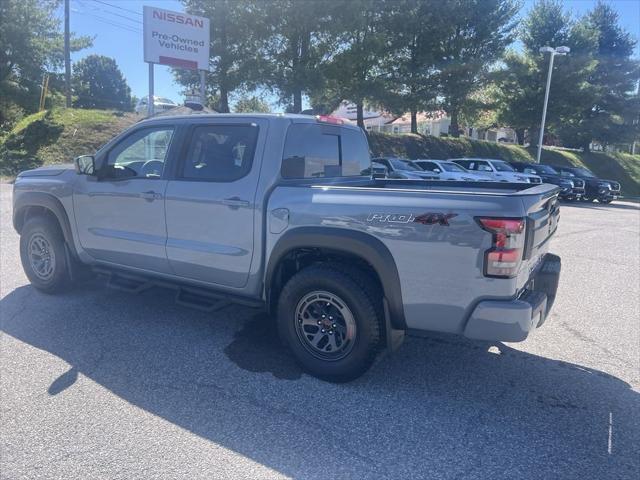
(45,231)
(354,288)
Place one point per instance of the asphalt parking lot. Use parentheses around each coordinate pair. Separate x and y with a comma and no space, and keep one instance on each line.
(98,383)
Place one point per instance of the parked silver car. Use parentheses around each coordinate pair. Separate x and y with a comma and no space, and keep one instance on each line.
(447,170)
(405,169)
(497,170)
(160,104)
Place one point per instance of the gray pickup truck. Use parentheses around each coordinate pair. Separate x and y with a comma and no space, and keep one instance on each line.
(277,211)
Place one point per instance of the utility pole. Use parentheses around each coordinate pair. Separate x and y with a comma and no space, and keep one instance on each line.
(553,52)
(67,56)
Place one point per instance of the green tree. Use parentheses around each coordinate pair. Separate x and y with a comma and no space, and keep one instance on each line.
(478,31)
(235,52)
(613,83)
(251,104)
(415,31)
(299,40)
(31,44)
(356,71)
(98,83)
(522,82)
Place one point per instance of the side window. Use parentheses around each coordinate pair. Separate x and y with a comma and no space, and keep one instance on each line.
(315,151)
(311,151)
(355,152)
(484,167)
(429,166)
(220,153)
(385,162)
(141,154)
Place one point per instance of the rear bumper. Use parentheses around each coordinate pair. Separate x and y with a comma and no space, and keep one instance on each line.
(512,320)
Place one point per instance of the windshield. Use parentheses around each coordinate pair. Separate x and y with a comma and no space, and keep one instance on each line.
(403,165)
(546,169)
(583,172)
(566,173)
(164,100)
(452,167)
(502,166)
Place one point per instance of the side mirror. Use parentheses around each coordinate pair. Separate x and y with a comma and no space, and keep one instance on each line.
(436,170)
(85,165)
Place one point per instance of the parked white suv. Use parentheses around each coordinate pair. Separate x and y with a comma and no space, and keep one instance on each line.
(497,170)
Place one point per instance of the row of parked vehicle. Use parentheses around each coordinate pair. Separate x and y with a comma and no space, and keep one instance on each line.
(576,183)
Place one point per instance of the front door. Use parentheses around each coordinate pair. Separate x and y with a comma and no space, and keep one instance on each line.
(210,204)
(120,214)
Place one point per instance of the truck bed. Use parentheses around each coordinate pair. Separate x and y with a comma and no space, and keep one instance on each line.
(442,186)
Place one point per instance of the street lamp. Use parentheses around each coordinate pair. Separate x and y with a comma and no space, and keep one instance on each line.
(553,52)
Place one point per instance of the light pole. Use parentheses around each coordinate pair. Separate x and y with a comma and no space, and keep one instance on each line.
(553,52)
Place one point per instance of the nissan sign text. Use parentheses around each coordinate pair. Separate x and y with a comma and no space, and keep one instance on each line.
(176,39)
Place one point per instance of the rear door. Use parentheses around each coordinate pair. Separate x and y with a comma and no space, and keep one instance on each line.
(211,201)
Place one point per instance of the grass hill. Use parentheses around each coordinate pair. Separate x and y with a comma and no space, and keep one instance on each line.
(622,167)
(59,135)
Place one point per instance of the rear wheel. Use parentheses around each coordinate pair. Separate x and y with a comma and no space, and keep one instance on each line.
(330,319)
(605,200)
(43,255)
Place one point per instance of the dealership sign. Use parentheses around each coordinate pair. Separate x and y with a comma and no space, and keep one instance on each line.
(176,39)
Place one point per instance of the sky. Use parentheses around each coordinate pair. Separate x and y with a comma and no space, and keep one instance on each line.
(117,28)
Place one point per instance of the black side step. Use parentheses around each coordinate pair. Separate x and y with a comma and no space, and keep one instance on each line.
(200,300)
(124,282)
(186,295)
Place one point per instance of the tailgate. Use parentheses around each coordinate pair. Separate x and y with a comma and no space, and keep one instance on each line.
(542,218)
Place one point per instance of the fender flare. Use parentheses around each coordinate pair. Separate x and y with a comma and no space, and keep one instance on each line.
(51,203)
(352,242)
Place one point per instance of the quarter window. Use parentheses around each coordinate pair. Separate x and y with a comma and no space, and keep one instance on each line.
(315,151)
(220,153)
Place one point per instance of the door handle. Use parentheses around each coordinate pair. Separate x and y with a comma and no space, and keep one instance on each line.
(235,202)
(151,195)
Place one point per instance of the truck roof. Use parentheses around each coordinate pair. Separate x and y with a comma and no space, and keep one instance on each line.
(293,117)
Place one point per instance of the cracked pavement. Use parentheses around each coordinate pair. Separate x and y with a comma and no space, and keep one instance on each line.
(97,383)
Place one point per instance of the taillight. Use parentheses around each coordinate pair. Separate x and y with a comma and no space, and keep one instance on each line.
(505,255)
(330,119)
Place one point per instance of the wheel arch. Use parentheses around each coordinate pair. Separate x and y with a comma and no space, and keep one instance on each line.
(29,204)
(316,243)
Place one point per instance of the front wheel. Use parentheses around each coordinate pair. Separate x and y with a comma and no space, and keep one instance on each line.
(329,317)
(43,255)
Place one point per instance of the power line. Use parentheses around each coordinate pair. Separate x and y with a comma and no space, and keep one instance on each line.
(109,21)
(118,7)
(112,13)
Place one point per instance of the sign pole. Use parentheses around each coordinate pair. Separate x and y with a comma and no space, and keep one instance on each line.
(150,100)
(202,88)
